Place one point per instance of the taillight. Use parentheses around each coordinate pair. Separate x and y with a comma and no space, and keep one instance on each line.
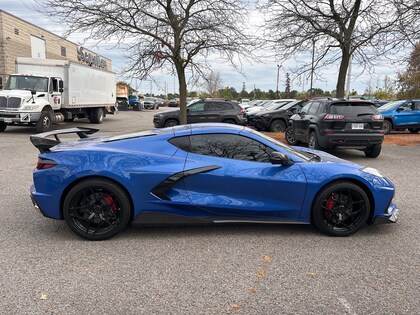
(333,117)
(377,117)
(243,110)
(44,163)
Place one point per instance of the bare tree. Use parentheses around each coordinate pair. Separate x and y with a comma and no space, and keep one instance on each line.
(160,34)
(213,83)
(336,31)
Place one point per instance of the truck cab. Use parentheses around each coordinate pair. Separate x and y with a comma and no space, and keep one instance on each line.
(30,100)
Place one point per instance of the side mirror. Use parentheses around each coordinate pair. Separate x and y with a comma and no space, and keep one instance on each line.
(280,158)
(61,86)
(33,92)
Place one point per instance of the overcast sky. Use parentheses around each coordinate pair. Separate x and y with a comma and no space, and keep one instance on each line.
(261,75)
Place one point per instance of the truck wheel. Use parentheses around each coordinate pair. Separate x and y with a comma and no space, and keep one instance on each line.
(387,127)
(96,115)
(3,126)
(45,121)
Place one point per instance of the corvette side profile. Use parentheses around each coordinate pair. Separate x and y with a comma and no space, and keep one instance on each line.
(201,174)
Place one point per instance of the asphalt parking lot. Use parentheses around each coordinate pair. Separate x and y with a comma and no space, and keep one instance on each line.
(242,269)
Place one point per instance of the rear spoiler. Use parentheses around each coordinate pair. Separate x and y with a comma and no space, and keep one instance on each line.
(43,144)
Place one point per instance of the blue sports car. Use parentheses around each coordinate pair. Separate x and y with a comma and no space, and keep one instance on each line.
(201,173)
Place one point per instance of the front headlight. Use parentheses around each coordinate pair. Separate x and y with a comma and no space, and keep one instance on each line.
(30,107)
(372,171)
(158,115)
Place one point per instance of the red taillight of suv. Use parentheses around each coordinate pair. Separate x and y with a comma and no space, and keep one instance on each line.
(333,117)
(377,117)
(44,163)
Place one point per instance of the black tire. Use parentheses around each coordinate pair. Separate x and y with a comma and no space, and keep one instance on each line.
(313,141)
(414,130)
(97,209)
(44,123)
(387,127)
(3,126)
(340,209)
(290,136)
(171,123)
(229,121)
(277,125)
(373,151)
(96,115)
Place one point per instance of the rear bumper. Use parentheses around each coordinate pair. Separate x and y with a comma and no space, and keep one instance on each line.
(390,216)
(352,140)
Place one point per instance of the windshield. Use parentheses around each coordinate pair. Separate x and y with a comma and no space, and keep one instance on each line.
(391,105)
(21,82)
(276,105)
(150,99)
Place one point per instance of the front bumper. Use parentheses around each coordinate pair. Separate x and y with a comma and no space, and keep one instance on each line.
(260,123)
(390,216)
(9,117)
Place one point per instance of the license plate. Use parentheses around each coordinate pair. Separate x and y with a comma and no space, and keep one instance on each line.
(357,126)
(7,120)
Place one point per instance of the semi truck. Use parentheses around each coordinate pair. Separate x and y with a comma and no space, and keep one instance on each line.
(47,91)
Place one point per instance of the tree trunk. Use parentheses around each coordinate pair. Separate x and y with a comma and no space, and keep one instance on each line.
(341,81)
(182,94)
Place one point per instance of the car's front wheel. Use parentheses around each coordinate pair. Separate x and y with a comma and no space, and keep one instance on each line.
(277,125)
(171,123)
(290,136)
(340,209)
(373,151)
(97,209)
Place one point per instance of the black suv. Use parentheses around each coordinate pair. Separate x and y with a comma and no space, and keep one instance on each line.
(277,120)
(334,124)
(204,111)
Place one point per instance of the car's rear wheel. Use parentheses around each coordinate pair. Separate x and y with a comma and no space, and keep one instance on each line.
(414,130)
(290,136)
(313,141)
(373,151)
(340,209)
(96,209)
(387,127)
(171,123)
(278,125)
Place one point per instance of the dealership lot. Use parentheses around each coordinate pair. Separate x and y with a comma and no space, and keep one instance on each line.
(242,269)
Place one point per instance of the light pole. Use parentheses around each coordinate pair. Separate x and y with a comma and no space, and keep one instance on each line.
(277,88)
(312,67)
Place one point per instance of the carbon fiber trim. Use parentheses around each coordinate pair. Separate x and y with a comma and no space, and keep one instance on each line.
(161,189)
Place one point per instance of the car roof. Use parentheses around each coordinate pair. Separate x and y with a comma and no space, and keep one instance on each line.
(206,128)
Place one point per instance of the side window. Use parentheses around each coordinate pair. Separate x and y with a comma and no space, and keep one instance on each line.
(196,107)
(305,108)
(182,143)
(406,107)
(231,147)
(322,108)
(218,106)
(314,108)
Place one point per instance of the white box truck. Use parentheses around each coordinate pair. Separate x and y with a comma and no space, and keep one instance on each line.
(47,91)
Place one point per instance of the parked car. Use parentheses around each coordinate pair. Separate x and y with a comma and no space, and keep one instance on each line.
(173,102)
(401,115)
(133,101)
(150,103)
(272,105)
(203,173)
(277,120)
(209,110)
(326,124)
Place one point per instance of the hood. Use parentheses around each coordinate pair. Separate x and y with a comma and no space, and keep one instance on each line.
(16,93)
(172,111)
(326,157)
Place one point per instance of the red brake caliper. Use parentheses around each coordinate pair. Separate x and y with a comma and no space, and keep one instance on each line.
(329,207)
(111,203)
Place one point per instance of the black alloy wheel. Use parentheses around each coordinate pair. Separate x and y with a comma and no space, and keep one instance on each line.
(277,125)
(341,209)
(373,151)
(290,136)
(3,126)
(171,123)
(414,130)
(387,127)
(313,141)
(97,209)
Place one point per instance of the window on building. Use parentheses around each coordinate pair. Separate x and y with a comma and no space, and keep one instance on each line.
(16,31)
(63,51)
